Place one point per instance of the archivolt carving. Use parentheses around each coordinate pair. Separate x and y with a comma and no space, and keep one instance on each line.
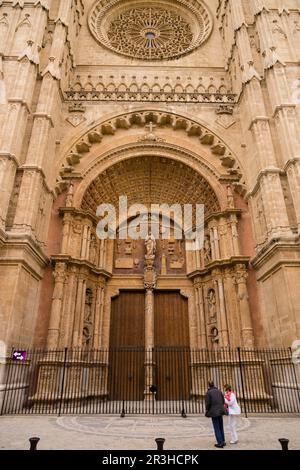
(150,180)
(142,118)
(150,30)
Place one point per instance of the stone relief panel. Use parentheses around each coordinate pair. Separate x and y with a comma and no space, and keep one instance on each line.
(170,256)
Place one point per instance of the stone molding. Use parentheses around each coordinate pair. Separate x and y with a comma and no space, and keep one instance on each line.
(176,122)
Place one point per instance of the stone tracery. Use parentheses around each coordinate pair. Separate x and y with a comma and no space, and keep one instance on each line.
(148,33)
(152,31)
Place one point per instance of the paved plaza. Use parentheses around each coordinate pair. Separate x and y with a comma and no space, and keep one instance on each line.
(139,432)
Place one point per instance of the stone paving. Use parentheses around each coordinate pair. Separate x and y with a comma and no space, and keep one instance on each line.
(138,433)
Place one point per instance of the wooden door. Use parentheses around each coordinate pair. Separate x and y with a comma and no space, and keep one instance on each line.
(127,342)
(172,355)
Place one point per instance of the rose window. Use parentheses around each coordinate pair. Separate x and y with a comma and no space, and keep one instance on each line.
(152,30)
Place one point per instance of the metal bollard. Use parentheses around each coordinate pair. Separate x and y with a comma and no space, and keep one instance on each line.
(33,442)
(123,410)
(284,443)
(160,443)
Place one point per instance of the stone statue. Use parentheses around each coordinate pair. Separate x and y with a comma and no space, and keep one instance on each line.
(70,194)
(212,309)
(214,336)
(207,249)
(230,197)
(150,244)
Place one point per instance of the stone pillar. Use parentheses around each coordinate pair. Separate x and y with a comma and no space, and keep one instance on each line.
(8,166)
(149,342)
(234,235)
(43,123)
(101,253)
(57,299)
(84,242)
(231,302)
(66,234)
(149,284)
(201,324)
(293,174)
(80,301)
(14,124)
(245,315)
(223,331)
(68,309)
(212,244)
(88,241)
(216,241)
(98,321)
(149,319)
(259,122)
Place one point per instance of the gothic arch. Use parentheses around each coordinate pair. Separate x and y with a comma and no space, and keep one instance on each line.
(205,141)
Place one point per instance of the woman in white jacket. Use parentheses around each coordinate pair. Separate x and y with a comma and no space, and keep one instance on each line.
(233,411)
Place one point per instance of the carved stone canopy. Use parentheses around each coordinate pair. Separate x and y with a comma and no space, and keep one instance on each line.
(152,30)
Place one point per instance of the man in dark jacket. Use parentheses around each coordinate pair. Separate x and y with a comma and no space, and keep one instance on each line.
(214,402)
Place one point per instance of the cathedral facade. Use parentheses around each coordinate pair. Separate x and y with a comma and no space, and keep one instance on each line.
(163,102)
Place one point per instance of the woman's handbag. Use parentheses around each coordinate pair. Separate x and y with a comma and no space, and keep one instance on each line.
(226,412)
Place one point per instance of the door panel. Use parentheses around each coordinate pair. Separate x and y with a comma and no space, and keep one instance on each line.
(171,320)
(127,341)
(127,323)
(171,353)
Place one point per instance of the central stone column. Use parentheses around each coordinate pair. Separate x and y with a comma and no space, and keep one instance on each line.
(149,284)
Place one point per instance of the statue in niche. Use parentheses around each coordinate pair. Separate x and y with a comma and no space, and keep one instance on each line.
(214,336)
(128,247)
(87,322)
(150,244)
(207,249)
(212,307)
(230,197)
(70,194)
(262,224)
(76,238)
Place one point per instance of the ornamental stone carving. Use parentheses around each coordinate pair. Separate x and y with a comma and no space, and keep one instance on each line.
(186,185)
(150,30)
(150,246)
